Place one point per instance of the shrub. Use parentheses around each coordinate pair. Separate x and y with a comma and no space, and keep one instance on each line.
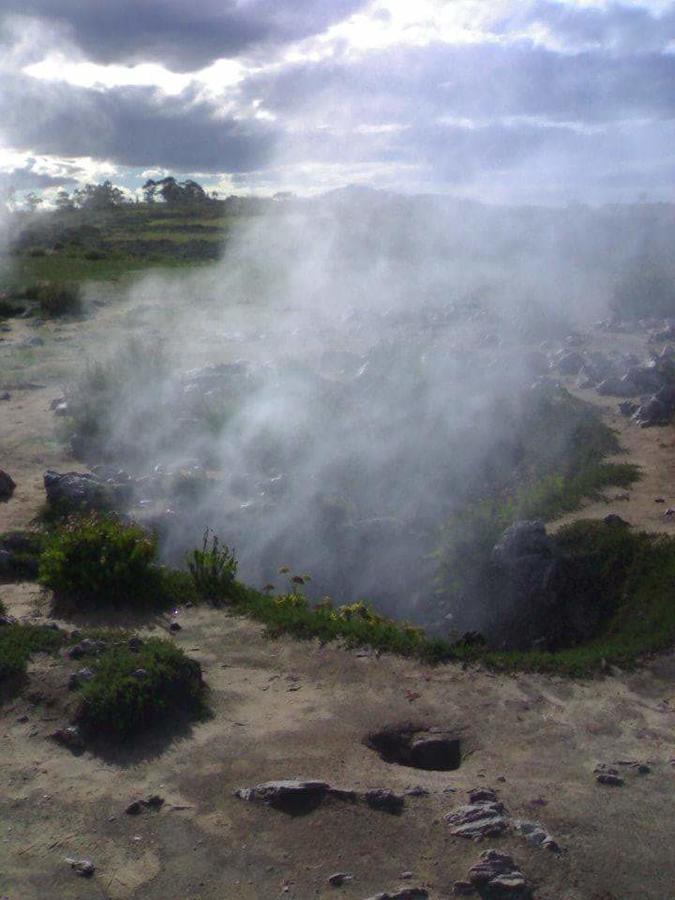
(59,299)
(9,310)
(213,569)
(133,688)
(101,560)
(19,642)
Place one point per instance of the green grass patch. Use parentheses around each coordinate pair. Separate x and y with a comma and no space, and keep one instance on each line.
(132,689)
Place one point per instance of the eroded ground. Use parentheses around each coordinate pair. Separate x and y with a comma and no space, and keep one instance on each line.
(285,709)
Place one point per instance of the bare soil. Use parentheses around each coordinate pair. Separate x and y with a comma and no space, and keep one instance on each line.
(285,709)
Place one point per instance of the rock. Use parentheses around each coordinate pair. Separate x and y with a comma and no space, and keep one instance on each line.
(140,674)
(86,647)
(289,796)
(617,387)
(7,485)
(627,408)
(645,378)
(83,867)
(79,677)
(536,835)
(609,779)
(69,737)
(300,796)
(616,521)
(521,539)
(339,878)
(153,802)
(175,626)
(570,363)
(74,491)
(33,341)
(482,795)
(653,412)
(483,818)
(497,875)
(7,620)
(385,800)
(5,395)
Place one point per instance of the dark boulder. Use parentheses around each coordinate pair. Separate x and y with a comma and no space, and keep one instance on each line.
(653,412)
(7,485)
(76,491)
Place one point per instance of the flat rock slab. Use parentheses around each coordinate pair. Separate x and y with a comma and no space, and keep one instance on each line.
(297,796)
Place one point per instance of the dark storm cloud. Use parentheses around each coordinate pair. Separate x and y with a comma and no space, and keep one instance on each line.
(131,126)
(182,35)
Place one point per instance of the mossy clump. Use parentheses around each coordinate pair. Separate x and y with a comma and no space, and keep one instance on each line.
(139,684)
(101,561)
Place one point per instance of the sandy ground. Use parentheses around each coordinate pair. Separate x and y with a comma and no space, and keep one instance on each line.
(285,709)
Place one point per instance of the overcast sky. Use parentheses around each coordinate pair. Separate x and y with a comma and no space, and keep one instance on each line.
(503,100)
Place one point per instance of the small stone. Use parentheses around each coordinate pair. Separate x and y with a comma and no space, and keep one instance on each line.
(384,800)
(338,878)
(609,779)
(417,791)
(69,737)
(86,647)
(406,875)
(5,395)
(83,867)
(78,678)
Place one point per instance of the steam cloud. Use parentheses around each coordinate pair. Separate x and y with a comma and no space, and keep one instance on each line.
(345,377)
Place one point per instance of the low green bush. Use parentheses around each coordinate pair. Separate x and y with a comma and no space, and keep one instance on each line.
(133,688)
(59,299)
(18,642)
(99,560)
(213,569)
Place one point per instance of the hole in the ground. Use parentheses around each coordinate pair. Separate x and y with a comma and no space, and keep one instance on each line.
(418,746)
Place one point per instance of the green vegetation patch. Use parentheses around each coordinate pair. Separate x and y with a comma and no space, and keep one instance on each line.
(55,298)
(633,575)
(134,688)
(558,463)
(99,560)
(18,642)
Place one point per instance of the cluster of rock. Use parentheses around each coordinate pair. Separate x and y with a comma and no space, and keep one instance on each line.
(647,388)
(486,816)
